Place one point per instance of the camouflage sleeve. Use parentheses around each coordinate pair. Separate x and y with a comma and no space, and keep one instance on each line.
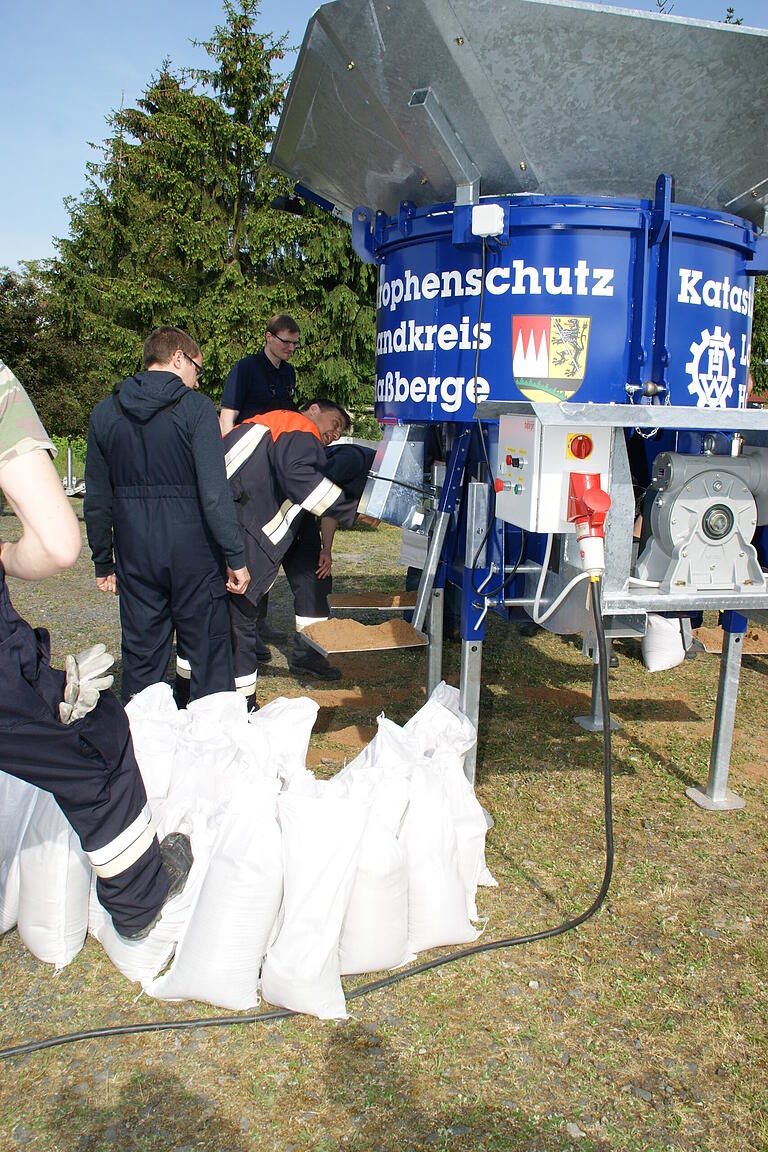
(20,427)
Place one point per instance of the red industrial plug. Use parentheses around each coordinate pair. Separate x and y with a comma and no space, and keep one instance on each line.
(587,507)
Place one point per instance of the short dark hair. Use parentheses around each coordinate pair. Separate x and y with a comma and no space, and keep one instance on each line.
(325,405)
(161,344)
(282,322)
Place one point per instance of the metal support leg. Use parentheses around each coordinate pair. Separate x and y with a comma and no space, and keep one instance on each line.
(448,497)
(717,797)
(435,633)
(594,722)
(469,695)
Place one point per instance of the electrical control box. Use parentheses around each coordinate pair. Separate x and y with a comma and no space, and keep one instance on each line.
(534,465)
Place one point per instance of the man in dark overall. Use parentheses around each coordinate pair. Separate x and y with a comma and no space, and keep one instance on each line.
(57,731)
(277,468)
(161,523)
(308,562)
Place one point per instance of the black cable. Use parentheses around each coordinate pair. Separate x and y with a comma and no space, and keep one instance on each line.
(492,511)
(438,962)
(507,578)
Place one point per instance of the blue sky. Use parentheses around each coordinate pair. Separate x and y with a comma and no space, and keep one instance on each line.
(68,63)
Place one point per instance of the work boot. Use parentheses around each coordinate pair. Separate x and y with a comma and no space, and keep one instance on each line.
(176,851)
(270,634)
(306,661)
(181,688)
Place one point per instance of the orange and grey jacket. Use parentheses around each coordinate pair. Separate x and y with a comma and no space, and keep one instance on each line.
(276,468)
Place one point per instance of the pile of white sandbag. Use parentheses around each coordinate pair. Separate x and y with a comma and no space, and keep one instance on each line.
(296,881)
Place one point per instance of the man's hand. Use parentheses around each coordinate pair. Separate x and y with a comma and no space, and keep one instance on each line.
(107,583)
(85,680)
(238,580)
(324,565)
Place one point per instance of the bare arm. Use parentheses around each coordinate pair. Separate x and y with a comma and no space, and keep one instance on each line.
(227,418)
(328,528)
(50,538)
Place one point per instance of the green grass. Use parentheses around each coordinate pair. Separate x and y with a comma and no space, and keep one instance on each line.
(638,1030)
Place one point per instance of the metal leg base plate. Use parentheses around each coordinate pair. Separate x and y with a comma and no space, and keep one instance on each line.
(590,724)
(731,803)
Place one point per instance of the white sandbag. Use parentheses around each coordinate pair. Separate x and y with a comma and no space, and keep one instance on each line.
(155,722)
(255,749)
(374,934)
(321,844)
(437,894)
(303,782)
(470,827)
(287,725)
(395,751)
(55,877)
(662,645)
(143,959)
(441,723)
(156,700)
(445,734)
(227,709)
(205,763)
(17,799)
(219,957)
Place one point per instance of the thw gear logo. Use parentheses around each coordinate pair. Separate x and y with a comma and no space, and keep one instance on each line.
(712,369)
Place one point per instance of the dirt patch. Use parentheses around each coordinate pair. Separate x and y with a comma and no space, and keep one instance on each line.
(340,745)
(350,636)
(755,640)
(355,698)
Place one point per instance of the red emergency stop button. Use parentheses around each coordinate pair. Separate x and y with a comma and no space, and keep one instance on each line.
(580,447)
(498,485)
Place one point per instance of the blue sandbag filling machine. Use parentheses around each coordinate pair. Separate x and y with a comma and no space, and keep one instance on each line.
(563,334)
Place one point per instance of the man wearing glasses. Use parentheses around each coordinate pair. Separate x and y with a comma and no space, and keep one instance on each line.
(161,522)
(265,382)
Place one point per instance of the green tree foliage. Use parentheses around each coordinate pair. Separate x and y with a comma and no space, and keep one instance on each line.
(50,367)
(759,361)
(176,227)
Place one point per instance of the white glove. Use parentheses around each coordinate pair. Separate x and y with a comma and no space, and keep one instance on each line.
(85,679)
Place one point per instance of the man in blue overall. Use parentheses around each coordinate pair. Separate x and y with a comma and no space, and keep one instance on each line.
(161,522)
(56,731)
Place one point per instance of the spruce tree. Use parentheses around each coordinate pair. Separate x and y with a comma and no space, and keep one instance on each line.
(176,226)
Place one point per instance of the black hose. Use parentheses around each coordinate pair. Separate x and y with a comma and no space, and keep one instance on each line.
(407,973)
(506,579)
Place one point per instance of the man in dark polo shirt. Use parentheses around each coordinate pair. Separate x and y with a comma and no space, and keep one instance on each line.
(265,382)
